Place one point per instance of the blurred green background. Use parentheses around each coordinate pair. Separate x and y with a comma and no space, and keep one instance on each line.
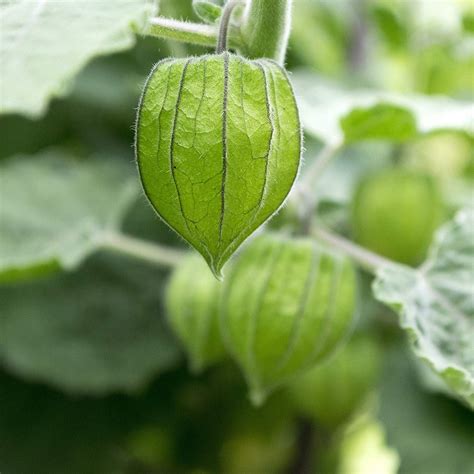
(130,405)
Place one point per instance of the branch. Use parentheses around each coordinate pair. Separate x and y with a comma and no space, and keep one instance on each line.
(365,258)
(304,197)
(320,164)
(142,250)
(264,31)
(195,33)
(357,49)
(304,452)
(266,28)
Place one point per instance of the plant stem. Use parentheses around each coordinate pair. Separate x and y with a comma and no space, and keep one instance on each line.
(142,250)
(357,50)
(304,197)
(302,461)
(365,258)
(194,33)
(320,164)
(224,25)
(265,29)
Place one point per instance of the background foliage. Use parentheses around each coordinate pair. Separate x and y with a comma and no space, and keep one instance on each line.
(92,380)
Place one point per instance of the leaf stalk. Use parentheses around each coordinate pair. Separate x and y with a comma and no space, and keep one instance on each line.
(184,31)
(368,260)
(304,198)
(142,250)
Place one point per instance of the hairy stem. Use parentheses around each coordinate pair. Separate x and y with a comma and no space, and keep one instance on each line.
(365,258)
(142,250)
(194,33)
(224,25)
(265,29)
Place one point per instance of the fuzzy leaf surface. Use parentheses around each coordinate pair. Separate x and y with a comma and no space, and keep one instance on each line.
(57,209)
(44,44)
(95,331)
(436,304)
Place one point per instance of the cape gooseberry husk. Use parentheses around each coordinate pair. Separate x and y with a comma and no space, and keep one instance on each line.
(331,392)
(287,304)
(218,144)
(192,303)
(396,212)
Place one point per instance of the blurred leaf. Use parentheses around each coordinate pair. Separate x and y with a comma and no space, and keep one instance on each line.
(93,331)
(333,114)
(436,304)
(390,26)
(43,431)
(444,68)
(94,116)
(20,135)
(432,434)
(56,210)
(208,10)
(45,44)
(323,23)
(468,22)
(379,122)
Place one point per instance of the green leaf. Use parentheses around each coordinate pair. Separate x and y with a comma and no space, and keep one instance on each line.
(336,115)
(208,10)
(436,304)
(218,148)
(93,331)
(393,30)
(56,210)
(378,122)
(45,44)
(432,434)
